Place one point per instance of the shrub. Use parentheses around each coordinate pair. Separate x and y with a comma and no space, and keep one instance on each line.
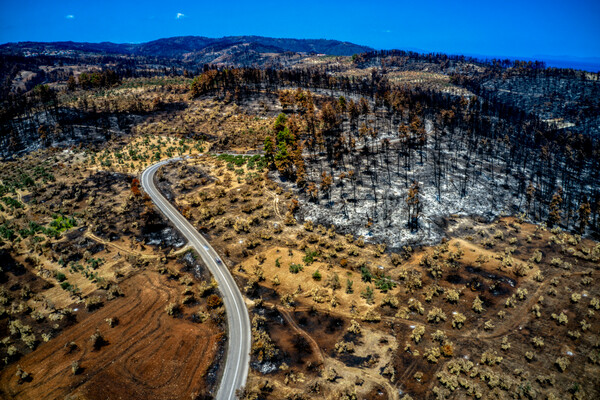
(366,275)
(585,325)
(214,301)
(201,316)
(556,262)
(384,284)
(415,305)
(309,256)
(295,268)
(529,355)
(447,349)
(574,334)
(113,292)
(260,258)
(275,281)
(432,354)
(488,326)
(438,336)
(511,302)
(11,351)
(539,276)
(561,318)
(344,347)
(390,300)
(316,275)
(334,282)
(372,316)
(477,305)
(22,375)
(354,328)
(490,357)
(308,226)
(172,309)
(349,284)
(367,294)
(288,300)
(536,257)
(38,316)
(417,333)
(395,259)
(458,320)
(29,339)
(75,368)
(452,295)
(436,315)
(562,363)
(331,375)
(93,302)
(97,340)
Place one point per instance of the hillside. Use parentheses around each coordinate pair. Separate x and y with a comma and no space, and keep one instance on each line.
(400,225)
(179,47)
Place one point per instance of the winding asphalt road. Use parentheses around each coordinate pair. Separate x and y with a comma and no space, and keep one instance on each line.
(238,322)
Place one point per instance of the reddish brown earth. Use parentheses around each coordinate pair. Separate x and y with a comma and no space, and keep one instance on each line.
(149,354)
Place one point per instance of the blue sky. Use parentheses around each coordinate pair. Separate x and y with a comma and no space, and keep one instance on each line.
(503,28)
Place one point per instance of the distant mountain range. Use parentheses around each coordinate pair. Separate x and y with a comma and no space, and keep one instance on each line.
(192,47)
(245,50)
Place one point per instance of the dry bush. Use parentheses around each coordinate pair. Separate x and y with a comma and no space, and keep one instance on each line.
(436,315)
(477,305)
(172,309)
(417,333)
(458,320)
(97,340)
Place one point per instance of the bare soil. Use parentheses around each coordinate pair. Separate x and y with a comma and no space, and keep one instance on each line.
(148,354)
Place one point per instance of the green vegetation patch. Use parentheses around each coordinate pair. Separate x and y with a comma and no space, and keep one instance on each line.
(295,268)
(251,162)
(12,203)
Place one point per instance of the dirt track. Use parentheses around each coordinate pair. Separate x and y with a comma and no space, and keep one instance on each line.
(149,355)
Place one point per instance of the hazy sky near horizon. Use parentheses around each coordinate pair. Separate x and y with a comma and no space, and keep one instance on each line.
(500,28)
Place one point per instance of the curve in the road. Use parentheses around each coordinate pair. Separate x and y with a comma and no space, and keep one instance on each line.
(238,322)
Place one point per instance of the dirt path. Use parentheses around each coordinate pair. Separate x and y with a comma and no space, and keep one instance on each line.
(465,244)
(275,202)
(313,344)
(119,248)
(339,366)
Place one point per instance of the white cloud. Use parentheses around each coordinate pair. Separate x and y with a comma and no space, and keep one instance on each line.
(70,16)
(179,16)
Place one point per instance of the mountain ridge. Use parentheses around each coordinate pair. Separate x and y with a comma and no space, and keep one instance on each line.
(179,46)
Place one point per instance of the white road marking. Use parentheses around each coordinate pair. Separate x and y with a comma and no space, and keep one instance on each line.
(240,369)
